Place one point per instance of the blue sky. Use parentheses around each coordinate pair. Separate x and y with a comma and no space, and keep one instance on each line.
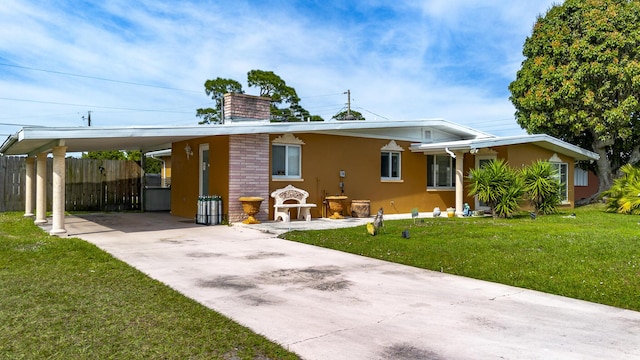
(145,62)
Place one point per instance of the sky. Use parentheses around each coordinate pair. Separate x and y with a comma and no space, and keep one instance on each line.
(144,63)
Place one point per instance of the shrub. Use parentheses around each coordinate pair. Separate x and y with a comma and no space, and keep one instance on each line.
(497,185)
(624,195)
(541,187)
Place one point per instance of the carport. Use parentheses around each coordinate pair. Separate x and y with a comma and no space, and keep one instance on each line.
(36,143)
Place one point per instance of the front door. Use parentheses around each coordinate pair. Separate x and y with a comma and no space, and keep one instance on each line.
(482,160)
(204,169)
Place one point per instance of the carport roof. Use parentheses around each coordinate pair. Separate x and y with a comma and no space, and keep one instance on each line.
(34,140)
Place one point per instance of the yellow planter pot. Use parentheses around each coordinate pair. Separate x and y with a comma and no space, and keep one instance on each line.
(251,206)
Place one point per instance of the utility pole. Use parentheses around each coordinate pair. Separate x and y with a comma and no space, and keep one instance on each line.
(88,118)
(348,103)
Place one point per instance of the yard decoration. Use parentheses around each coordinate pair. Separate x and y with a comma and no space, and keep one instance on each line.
(376,225)
(251,206)
(336,206)
(371,229)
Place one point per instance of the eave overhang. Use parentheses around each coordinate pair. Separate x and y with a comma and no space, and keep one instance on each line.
(541,140)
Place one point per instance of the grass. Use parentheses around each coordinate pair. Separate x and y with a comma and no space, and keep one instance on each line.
(594,256)
(67,299)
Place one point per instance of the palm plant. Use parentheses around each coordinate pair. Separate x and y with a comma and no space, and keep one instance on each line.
(624,195)
(541,187)
(497,185)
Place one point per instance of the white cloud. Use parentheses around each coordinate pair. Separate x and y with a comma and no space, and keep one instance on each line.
(403,60)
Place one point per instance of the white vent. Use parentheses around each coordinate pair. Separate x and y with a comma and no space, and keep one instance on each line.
(426,136)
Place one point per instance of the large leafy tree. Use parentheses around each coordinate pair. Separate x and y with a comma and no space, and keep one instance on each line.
(580,80)
(216,88)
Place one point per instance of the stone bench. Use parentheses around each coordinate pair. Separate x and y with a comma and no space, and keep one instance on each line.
(288,198)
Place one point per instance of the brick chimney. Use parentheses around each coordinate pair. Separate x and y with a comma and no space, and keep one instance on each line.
(244,108)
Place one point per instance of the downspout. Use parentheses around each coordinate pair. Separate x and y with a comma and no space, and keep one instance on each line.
(142,182)
(459,180)
(451,153)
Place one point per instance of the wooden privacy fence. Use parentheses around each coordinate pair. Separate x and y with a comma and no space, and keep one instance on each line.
(91,185)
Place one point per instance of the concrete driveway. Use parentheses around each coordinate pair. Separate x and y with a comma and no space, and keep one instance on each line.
(324,304)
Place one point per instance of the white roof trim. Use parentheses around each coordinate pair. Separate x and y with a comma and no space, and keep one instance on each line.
(150,138)
(543,140)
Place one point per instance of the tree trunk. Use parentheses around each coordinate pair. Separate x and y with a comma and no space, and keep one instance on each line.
(635,156)
(605,173)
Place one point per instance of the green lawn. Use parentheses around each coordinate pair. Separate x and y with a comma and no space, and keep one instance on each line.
(594,256)
(67,299)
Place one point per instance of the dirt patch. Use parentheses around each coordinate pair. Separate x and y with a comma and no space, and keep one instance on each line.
(227,282)
(264,255)
(409,352)
(204,255)
(256,300)
(327,278)
(323,278)
(176,241)
(332,285)
(487,323)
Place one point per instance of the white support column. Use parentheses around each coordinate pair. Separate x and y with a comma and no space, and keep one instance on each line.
(59,153)
(41,189)
(459,182)
(28,186)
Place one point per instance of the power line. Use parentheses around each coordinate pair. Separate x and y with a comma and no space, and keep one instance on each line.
(91,106)
(11,124)
(99,78)
(371,112)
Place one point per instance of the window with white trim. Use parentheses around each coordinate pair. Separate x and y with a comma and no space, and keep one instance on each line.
(580,177)
(441,171)
(286,161)
(562,175)
(390,162)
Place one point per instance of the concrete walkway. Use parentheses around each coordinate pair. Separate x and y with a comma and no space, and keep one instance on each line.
(324,304)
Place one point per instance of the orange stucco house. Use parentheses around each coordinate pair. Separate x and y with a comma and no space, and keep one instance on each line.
(396,165)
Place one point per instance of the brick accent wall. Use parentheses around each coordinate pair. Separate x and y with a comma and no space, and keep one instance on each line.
(248,173)
(241,107)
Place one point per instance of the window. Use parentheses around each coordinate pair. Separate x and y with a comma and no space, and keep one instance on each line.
(580,177)
(441,171)
(285,161)
(562,171)
(390,165)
